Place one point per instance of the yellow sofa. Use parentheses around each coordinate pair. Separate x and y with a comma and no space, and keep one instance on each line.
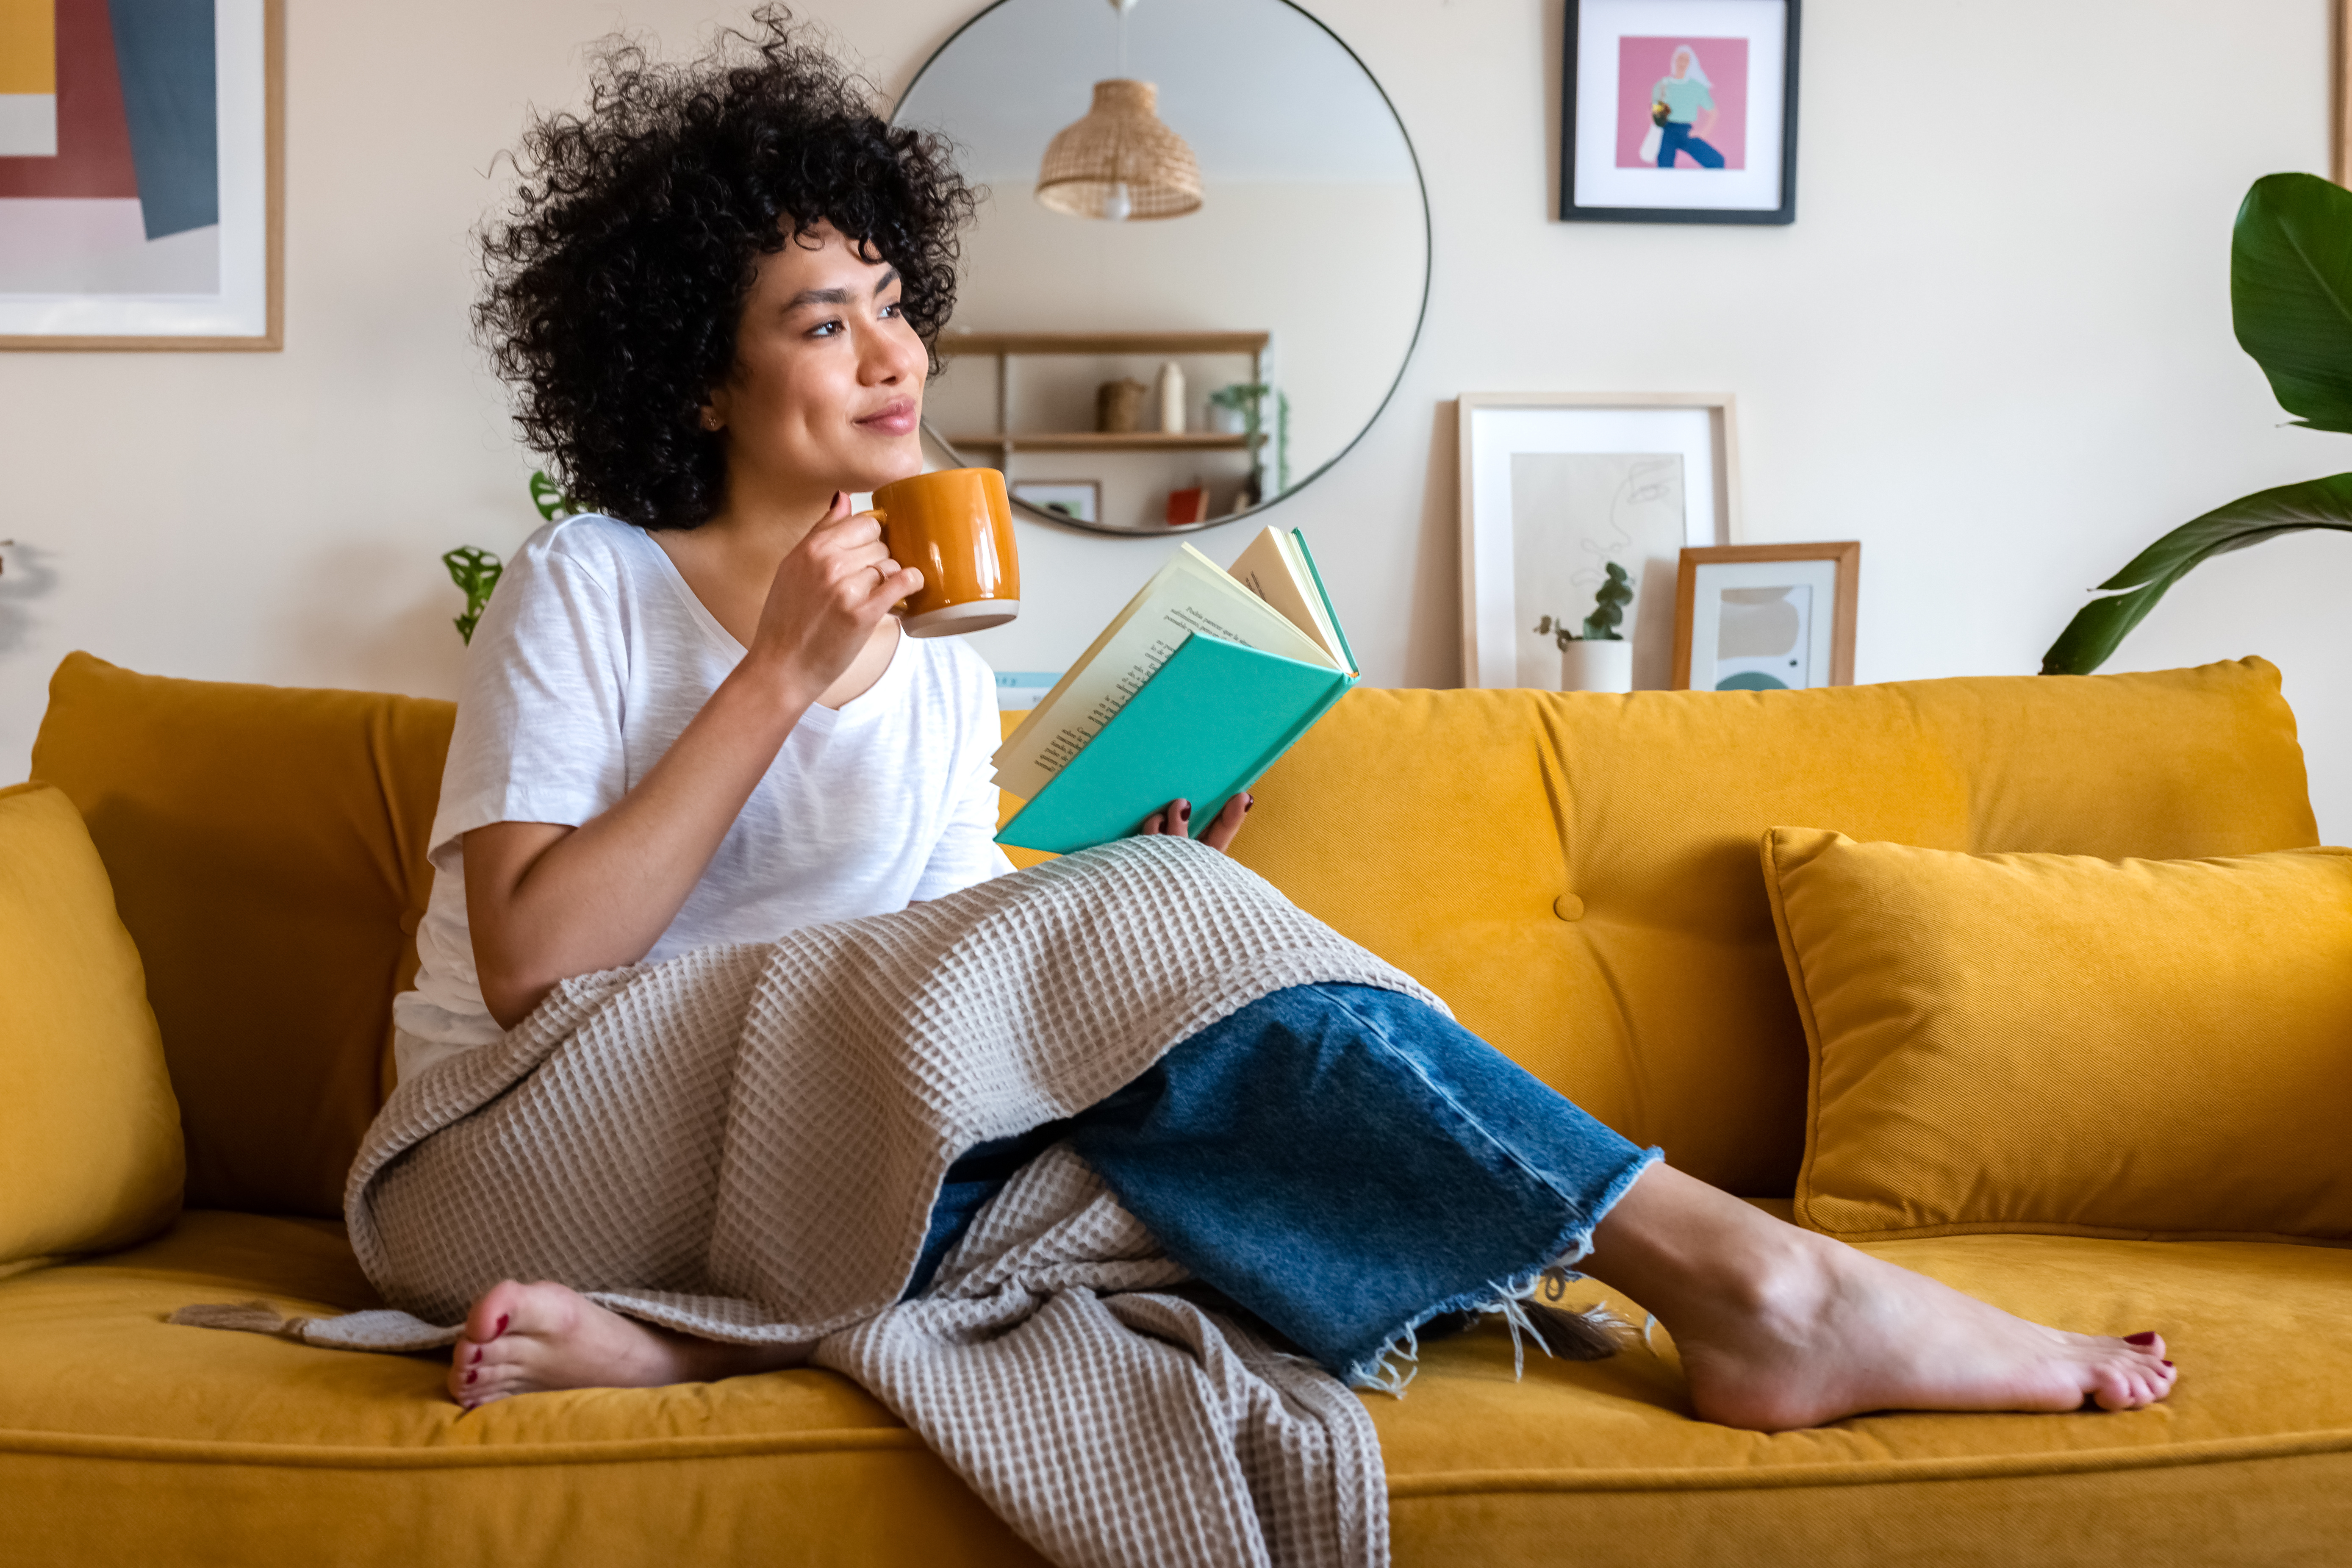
(1578,876)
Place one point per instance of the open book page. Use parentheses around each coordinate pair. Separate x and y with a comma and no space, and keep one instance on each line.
(1189,593)
(1271,569)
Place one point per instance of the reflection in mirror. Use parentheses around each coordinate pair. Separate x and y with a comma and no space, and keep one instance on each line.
(1190,362)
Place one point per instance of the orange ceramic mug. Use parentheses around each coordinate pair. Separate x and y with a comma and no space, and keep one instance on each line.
(956,527)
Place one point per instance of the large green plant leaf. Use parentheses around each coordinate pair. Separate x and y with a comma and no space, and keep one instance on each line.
(2291,294)
(2091,635)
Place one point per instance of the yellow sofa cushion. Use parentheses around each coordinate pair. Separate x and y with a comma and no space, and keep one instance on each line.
(131,1432)
(268,852)
(89,1134)
(2070,1046)
(1575,875)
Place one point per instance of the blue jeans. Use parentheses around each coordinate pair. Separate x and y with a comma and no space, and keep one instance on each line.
(1345,1163)
(1678,139)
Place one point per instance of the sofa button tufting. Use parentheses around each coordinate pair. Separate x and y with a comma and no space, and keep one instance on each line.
(1568,906)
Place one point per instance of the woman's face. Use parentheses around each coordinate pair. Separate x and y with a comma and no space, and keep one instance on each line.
(827,389)
(1682,64)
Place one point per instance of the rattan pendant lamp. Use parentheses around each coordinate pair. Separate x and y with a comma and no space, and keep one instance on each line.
(1120,162)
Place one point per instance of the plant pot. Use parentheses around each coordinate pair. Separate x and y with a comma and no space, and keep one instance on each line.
(1595,664)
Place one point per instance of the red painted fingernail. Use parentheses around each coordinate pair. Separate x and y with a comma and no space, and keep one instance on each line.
(1248,801)
(471,1374)
(2148,1338)
(2167,1363)
(477,1354)
(504,1318)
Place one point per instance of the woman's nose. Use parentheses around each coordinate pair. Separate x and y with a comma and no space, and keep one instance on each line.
(892,357)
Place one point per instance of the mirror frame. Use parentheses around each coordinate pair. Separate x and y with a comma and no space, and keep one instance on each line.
(1420,317)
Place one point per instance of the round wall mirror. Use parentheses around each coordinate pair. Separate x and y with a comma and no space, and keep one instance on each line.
(1199,261)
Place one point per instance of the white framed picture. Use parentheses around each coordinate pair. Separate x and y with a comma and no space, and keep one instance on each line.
(1557,486)
(1679,112)
(142,177)
(1080,500)
(1767,617)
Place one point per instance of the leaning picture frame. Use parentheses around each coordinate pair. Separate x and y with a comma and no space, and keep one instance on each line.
(1077,500)
(1555,485)
(1679,112)
(142,178)
(1766,617)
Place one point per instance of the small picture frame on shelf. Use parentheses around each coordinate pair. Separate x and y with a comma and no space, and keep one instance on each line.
(1557,486)
(1679,112)
(1079,500)
(1766,617)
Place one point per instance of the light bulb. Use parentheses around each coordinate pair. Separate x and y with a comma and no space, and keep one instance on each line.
(1118,204)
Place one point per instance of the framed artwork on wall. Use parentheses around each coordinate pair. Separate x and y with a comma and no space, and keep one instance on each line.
(1679,112)
(1080,500)
(1766,617)
(1556,486)
(142,174)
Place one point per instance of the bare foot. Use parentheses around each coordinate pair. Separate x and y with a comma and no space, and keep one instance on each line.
(526,1338)
(1781,1328)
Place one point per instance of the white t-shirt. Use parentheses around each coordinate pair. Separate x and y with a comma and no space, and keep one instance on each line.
(592,656)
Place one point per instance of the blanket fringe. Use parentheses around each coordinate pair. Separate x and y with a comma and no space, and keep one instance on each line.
(254,1317)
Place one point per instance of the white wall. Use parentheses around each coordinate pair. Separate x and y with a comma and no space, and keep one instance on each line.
(1995,347)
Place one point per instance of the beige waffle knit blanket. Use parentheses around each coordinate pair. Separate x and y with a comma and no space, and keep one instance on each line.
(745,1143)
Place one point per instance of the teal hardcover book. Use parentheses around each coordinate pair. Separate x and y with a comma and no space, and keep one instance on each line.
(1190,693)
(1205,727)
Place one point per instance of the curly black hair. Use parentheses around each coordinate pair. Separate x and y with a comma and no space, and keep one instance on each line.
(616,281)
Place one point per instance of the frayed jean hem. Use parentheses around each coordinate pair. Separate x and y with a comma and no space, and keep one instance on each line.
(1393,1365)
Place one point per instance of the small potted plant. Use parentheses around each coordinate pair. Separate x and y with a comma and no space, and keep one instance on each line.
(1601,659)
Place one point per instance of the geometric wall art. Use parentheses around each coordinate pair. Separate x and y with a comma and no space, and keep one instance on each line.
(141,173)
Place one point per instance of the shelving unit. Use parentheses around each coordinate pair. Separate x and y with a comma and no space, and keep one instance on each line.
(1100,441)
(1006,348)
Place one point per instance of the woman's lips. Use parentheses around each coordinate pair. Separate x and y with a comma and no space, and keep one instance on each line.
(894,418)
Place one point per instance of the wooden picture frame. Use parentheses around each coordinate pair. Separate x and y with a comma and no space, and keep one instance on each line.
(1698,431)
(1692,643)
(1748,180)
(258,226)
(2340,92)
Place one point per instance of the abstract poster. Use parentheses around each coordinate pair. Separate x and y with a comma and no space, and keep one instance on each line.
(135,175)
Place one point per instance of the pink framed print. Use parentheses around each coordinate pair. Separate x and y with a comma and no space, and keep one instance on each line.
(1679,112)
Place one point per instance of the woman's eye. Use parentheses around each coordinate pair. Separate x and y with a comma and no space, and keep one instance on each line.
(825,328)
(893,308)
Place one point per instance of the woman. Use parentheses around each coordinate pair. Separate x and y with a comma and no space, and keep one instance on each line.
(1685,93)
(700,725)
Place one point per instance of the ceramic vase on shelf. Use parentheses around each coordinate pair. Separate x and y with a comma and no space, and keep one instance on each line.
(1597,664)
(1172,398)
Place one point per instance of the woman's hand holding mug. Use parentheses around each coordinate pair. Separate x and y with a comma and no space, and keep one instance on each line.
(829,593)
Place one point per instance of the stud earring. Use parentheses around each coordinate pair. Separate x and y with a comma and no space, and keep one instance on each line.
(710,419)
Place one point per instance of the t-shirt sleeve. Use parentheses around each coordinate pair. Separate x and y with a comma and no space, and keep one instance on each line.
(967,852)
(538,737)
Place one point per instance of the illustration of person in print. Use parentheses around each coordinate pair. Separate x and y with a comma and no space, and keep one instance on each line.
(1686,94)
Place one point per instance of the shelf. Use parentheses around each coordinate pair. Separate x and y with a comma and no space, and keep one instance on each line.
(1104,343)
(1102,441)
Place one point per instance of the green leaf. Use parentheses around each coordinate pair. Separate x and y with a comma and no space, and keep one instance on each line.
(549,496)
(2090,639)
(475,572)
(1609,606)
(2291,293)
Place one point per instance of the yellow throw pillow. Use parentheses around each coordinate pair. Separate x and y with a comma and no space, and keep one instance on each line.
(2070,1046)
(90,1133)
